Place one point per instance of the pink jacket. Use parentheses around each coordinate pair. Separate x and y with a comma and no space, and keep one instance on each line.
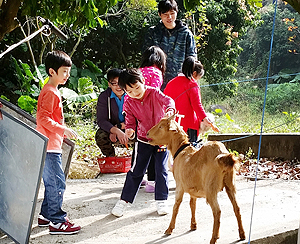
(153,76)
(187,97)
(49,117)
(147,112)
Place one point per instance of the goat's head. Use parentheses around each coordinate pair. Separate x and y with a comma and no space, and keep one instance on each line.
(162,133)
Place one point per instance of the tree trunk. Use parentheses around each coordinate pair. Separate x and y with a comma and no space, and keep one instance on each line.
(7,16)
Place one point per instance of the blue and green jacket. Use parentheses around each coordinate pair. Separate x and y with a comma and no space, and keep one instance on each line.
(177,44)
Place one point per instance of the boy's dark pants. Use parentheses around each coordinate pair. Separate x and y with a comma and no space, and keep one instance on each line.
(134,177)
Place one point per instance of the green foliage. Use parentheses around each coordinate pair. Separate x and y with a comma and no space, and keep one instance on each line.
(283,76)
(25,78)
(295,5)
(29,86)
(74,13)
(249,154)
(296,79)
(221,25)
(236,153)
(253,61)
(245,108)
(283,97)
(87,79)
(142,5)
(80,93)
(4,98)
(86,148)
(118,44)
(192,4)
(291,118)
(27,103)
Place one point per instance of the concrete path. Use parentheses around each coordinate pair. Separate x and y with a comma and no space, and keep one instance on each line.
(89,202)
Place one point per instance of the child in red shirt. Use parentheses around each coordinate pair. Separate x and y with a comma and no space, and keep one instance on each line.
(185,91)
(50,122)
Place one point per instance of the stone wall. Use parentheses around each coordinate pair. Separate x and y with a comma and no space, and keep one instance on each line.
(285,145)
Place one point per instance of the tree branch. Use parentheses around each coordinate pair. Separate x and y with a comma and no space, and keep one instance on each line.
(77,43)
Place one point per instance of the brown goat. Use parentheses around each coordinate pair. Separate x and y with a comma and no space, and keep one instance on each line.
(201,173)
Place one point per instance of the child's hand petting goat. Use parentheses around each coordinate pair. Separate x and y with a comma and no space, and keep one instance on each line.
(201,173)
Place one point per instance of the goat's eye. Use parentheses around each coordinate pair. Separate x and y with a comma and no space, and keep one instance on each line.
(160,127)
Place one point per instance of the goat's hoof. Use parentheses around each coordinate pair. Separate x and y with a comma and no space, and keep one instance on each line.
(193,226)
(168,232)
(213,240)
(242,236)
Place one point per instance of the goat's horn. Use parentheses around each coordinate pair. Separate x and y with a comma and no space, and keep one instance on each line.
(172,117)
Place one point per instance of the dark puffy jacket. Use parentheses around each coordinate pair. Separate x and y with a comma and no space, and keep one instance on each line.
(177,44)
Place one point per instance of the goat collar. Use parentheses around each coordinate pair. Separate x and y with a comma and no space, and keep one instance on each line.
(180,149)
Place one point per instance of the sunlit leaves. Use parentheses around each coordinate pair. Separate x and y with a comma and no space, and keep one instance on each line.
(192,4)
(73,13)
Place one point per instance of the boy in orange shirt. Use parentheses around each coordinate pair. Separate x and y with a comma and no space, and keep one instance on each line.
(50,122)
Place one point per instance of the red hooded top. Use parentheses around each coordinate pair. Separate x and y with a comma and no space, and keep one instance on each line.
(186,94)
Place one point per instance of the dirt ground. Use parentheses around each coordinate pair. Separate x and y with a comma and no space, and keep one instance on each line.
(89,202)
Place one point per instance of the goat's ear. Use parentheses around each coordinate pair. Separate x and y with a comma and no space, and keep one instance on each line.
(173,125)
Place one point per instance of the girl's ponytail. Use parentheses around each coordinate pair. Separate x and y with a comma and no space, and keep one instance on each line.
(190,65)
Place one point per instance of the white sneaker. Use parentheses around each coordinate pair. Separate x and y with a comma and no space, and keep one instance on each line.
(119,208)
(162,207)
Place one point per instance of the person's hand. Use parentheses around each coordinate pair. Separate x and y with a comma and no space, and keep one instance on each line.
(71,134)
(1,117)
(122,137)
(207,122)
(113,137)
(129,133)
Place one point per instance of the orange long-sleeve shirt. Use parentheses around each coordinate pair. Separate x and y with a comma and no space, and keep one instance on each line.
(49,117)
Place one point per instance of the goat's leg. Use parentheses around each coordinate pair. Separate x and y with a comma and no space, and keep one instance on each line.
(230,190)
(213,202)
(178,200)
(193,211)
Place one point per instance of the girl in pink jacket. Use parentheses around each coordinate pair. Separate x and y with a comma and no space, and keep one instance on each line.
(144,108)
(153,66)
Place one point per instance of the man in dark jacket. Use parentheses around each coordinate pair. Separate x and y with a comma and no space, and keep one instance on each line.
(173,37)
(109,116)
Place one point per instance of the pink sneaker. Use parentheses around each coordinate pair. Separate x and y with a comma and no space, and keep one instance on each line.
(150,186)
(144,182)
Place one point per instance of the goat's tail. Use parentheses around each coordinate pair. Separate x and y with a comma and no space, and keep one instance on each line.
(229,160)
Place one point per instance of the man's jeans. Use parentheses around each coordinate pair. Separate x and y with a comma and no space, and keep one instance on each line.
(55,185)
